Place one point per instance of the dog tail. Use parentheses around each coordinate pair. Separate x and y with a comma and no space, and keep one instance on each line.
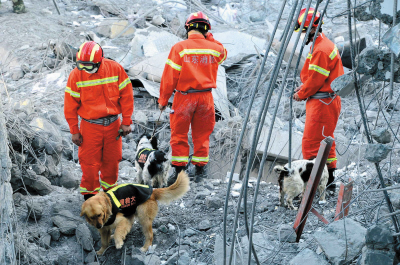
(173,192)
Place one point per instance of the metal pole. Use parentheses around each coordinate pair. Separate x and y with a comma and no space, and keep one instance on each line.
(245,122)
(392,58)
(55,4)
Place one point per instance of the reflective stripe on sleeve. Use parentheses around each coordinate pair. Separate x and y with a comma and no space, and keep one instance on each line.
(319,69)
(309,56)
(223,59)
(180,159)
(124,84)
(174,65)
(330,160)
(200,51)
(200,159)
(96,82)
(334,53)
(72,93)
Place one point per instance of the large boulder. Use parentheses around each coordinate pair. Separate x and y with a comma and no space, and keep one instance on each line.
(84,237)
(341,241)
(375,153)
(308,257)
(66,222)
(38,183)
(111,28)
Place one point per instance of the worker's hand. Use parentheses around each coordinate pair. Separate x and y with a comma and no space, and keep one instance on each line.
(77,139)
(296,97)
(161,107)
(126,129)
(297,89)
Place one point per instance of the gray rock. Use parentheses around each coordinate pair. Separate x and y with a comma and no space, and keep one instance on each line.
(91,257)
(214,202)
(163,229)
(35,210)
(152,260)
(204,225)
(309,257)
(23,106)
(54,232)
(379,237)
(202,195)
(66,222)
(395,197)
(286,233)
(84,237)
(53,147)
(17,74)
(38,168)
(261,244)
(381,135)
(135,260)
(376,152)
(38,183)
(184,259)
(333,243)
(69,179)
(93,263)
(141,117)
(190,232)
(157,20)
(174,258)
(376,257)
(45,240)
(343,85)
(367,61)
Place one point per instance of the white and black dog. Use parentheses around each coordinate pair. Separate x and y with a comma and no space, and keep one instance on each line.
(151,163)
(293,181)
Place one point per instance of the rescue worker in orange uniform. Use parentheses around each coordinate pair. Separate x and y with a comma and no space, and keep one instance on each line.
(98,89)
(191,71)
(323,106)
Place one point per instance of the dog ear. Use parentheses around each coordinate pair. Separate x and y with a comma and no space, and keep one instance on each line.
(309,166)
(278,169)
(154,143)
(106,208)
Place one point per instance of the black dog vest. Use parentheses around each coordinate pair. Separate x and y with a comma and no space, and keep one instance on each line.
(125,198)
(142,156)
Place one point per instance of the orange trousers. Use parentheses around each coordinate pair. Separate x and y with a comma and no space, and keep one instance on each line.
(99,156)
(195,110)
(321,119)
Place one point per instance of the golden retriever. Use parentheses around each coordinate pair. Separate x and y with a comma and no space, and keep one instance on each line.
(98,209)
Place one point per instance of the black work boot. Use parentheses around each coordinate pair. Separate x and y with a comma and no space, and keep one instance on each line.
(87,196)
(331,186)
(200,173)
(177,170)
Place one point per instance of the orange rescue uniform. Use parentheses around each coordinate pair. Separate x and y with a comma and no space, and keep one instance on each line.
(320,69)
(105,93)
(192,65)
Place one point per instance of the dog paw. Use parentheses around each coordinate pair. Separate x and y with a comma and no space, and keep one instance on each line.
(101,251)
(119,244)
(143,249)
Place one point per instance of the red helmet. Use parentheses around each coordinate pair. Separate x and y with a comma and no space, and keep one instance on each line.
(90,55)
(308,18)
(198,17)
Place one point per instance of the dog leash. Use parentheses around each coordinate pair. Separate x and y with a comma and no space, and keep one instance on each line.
(155,127)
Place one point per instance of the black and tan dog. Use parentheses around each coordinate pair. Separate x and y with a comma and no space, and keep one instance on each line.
(118,208)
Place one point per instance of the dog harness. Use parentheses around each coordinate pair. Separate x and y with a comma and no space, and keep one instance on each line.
(125,198)
(142,156)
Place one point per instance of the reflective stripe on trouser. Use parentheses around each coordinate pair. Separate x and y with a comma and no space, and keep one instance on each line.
(195,110)
(321,119)
(99,153)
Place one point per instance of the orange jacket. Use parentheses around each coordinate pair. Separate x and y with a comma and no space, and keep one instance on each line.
(320,68)
(93,96)
(192,63)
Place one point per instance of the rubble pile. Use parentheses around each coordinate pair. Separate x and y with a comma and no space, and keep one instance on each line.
(42,211)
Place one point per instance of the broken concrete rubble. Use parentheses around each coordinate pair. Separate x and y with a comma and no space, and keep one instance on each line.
(309,257)
(336,237)
(375,153)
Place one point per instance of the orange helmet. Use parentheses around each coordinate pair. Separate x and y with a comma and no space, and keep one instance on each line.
(195,18)
(89,56)
(308,18)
